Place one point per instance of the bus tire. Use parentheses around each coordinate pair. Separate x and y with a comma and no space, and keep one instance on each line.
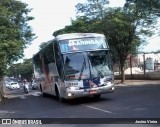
(98,96)
(43,94)
(58,95)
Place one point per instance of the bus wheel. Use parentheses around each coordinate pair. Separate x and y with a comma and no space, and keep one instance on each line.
(43,94)
(98,96)
(58,95)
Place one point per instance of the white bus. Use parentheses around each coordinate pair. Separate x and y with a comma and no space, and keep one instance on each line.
(74,65)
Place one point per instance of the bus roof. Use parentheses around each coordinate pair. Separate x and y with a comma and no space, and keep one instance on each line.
(71,36)
(77,35)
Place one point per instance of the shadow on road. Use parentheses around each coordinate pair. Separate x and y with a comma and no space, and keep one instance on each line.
(78,101)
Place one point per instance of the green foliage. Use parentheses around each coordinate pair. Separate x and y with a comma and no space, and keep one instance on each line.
(125,28)
(3,64)
(120,32)
(93,9)
(15,33)
(148,7)
(147,11)
(88,14)
(81,25)
(42,45)
(21,70)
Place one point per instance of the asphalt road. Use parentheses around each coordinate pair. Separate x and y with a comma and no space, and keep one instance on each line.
(126,102)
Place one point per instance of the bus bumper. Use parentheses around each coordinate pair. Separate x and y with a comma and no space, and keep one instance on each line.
(71,94)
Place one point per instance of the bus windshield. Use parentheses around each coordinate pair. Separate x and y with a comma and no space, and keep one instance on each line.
(100,63)
(76,66)
(86,65)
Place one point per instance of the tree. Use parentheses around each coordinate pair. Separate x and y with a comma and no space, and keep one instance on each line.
(120,32)
(87,14)
(81,24)
(42,45)
(15,33)
(148,8)
(21,70)
(14,30)
(93,9)
(14,70)
(124,28)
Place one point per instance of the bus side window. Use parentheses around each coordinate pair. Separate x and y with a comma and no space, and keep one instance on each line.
(37,64)
(58,61)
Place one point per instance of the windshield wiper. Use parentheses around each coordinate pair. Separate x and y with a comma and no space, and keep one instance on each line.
(82,68)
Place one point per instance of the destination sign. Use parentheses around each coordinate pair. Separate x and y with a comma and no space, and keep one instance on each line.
(83,44)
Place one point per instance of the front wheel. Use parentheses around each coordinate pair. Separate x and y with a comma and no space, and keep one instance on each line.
(58,95)
(98,96)
(26,90)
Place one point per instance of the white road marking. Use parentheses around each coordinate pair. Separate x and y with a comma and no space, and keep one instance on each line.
(97,108)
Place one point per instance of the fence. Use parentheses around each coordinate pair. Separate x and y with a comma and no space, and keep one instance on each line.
(141,66)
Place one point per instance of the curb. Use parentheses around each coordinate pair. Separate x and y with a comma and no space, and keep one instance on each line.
(137,82)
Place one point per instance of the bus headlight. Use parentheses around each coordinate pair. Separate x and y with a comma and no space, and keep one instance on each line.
(73,88)
(69,94)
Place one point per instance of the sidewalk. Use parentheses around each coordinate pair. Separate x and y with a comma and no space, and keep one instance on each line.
(137,82)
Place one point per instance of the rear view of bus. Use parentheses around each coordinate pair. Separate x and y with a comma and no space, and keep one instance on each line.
(87,65)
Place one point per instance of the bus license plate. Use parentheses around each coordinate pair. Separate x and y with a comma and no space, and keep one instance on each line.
(93,92)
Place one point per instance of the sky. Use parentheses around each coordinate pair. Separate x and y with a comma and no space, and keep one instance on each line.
(53,15)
